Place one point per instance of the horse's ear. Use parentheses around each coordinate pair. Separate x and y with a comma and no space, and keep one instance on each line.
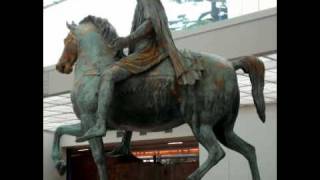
(68,25)
(72,26)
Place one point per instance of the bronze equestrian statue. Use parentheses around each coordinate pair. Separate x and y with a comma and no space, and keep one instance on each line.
(162,92)
(149,42)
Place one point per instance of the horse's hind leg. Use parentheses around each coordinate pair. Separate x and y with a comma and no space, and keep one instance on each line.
(124,148)
(97,150)
(231,140)
(206,137)
(73,130)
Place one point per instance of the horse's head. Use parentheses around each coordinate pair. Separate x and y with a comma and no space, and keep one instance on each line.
(89,40)
(70,52)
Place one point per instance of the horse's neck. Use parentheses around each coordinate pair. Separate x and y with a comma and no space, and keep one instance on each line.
(93,55)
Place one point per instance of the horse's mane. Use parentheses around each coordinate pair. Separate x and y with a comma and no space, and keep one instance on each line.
(107,31)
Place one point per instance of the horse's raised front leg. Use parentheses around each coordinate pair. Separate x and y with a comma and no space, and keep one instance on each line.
(56,155)
(124,148)
(97,150)
(96,146)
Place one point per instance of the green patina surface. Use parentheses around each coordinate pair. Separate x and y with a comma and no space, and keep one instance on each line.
(154,101)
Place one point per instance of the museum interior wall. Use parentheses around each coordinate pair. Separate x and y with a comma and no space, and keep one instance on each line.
(248,34)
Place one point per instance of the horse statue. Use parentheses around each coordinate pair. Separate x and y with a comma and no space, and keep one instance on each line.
(154,101)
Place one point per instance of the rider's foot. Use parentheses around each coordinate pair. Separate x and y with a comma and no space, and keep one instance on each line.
(95,131)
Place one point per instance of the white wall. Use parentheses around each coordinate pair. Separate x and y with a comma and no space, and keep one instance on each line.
(245,35)
(263,136)
(55,82)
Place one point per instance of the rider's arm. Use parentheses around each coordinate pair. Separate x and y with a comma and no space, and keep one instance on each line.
(141,32)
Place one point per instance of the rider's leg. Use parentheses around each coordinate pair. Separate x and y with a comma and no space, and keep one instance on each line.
(109,77)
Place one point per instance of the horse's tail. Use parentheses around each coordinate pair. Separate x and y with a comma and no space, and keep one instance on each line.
(255,68)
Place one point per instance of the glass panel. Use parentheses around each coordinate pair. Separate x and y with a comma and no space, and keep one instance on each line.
(270,76)
(67,95)
(52,98)
(246,88)
(55,120)
(246,100)
(270,86)
(49,113)
(273,70)
(271,95)
(180,17)
(268,64)
(270,100)
(273,56)
(63,109)
(47,105)
(244,94)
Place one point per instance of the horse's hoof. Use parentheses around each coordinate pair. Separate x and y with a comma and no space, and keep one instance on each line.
(61,167)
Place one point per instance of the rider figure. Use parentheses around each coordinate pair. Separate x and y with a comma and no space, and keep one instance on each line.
(149,42)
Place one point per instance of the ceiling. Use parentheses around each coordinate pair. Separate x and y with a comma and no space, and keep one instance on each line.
(57,110)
